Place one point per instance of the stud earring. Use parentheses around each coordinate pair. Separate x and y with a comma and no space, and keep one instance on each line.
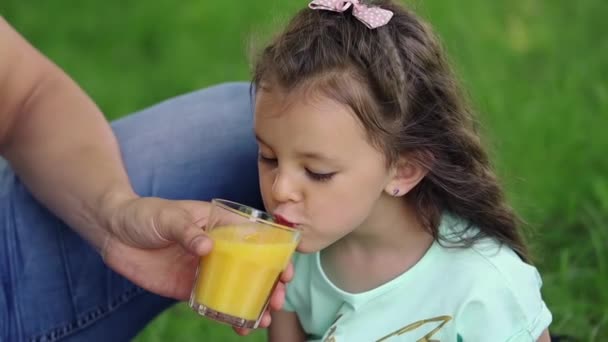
(395,192)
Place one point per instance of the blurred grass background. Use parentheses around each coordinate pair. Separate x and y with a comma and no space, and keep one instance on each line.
(537,71)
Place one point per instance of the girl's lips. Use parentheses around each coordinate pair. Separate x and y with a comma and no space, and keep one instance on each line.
(281,220)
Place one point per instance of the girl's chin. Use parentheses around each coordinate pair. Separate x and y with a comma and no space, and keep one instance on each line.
(304,248)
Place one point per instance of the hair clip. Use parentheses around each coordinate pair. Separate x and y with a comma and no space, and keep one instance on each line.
(371,16)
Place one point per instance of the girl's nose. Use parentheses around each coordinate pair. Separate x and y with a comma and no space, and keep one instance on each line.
(285,189)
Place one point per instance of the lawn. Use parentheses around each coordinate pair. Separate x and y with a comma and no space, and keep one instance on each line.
(536,70)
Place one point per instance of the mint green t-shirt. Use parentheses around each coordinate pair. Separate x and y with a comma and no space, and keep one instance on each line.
(484,293)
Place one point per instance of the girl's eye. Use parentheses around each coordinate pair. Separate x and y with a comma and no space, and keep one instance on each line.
(317,177)
(320,177)
(266,160)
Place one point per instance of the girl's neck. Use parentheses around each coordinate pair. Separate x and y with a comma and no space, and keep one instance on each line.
(387,244)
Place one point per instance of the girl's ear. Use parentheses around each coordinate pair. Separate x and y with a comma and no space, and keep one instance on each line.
(406,174)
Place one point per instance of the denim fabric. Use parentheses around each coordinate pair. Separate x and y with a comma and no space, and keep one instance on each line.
(54,286)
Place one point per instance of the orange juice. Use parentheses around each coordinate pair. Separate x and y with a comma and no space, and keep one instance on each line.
(238,275)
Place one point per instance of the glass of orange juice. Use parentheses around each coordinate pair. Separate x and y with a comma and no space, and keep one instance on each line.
(233,283)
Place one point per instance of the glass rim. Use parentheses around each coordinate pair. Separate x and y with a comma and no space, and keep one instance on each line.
(225,204)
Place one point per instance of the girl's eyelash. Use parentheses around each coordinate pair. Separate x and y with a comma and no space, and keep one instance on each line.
(320,177)
(266,159)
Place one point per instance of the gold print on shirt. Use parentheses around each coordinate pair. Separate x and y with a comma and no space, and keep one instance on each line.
(332,329)
(416,325)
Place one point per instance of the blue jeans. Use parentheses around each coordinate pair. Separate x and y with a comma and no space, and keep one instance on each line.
(55,287)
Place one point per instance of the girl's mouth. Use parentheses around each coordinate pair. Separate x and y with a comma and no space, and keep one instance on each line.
(283,221)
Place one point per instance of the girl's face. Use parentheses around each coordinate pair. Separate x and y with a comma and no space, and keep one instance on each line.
(317,168)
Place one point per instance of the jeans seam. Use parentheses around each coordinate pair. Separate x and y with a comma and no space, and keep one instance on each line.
(5,283)
(15,290)
(88,318)
(68,275)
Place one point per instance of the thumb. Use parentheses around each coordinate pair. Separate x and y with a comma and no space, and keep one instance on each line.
(195,240)
(184,229)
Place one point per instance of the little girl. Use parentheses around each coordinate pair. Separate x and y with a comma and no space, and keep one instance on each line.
(367,145)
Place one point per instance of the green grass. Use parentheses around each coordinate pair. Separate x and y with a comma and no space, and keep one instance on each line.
(536,70)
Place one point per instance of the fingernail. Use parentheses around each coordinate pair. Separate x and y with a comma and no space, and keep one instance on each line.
(199,245)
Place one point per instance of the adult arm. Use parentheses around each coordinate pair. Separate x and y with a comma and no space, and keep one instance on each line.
(57,140)
(61,146)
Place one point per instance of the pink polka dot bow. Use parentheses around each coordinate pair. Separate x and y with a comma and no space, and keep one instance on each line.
(372,17)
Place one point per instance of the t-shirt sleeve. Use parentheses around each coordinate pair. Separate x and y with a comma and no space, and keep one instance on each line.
(293,294)
(505,308)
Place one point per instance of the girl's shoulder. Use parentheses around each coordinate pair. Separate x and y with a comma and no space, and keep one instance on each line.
(486,260)
(491,280)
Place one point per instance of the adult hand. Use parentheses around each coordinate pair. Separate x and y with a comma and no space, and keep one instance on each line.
(156,243)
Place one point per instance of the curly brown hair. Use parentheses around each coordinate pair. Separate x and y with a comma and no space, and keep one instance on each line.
(397,81)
